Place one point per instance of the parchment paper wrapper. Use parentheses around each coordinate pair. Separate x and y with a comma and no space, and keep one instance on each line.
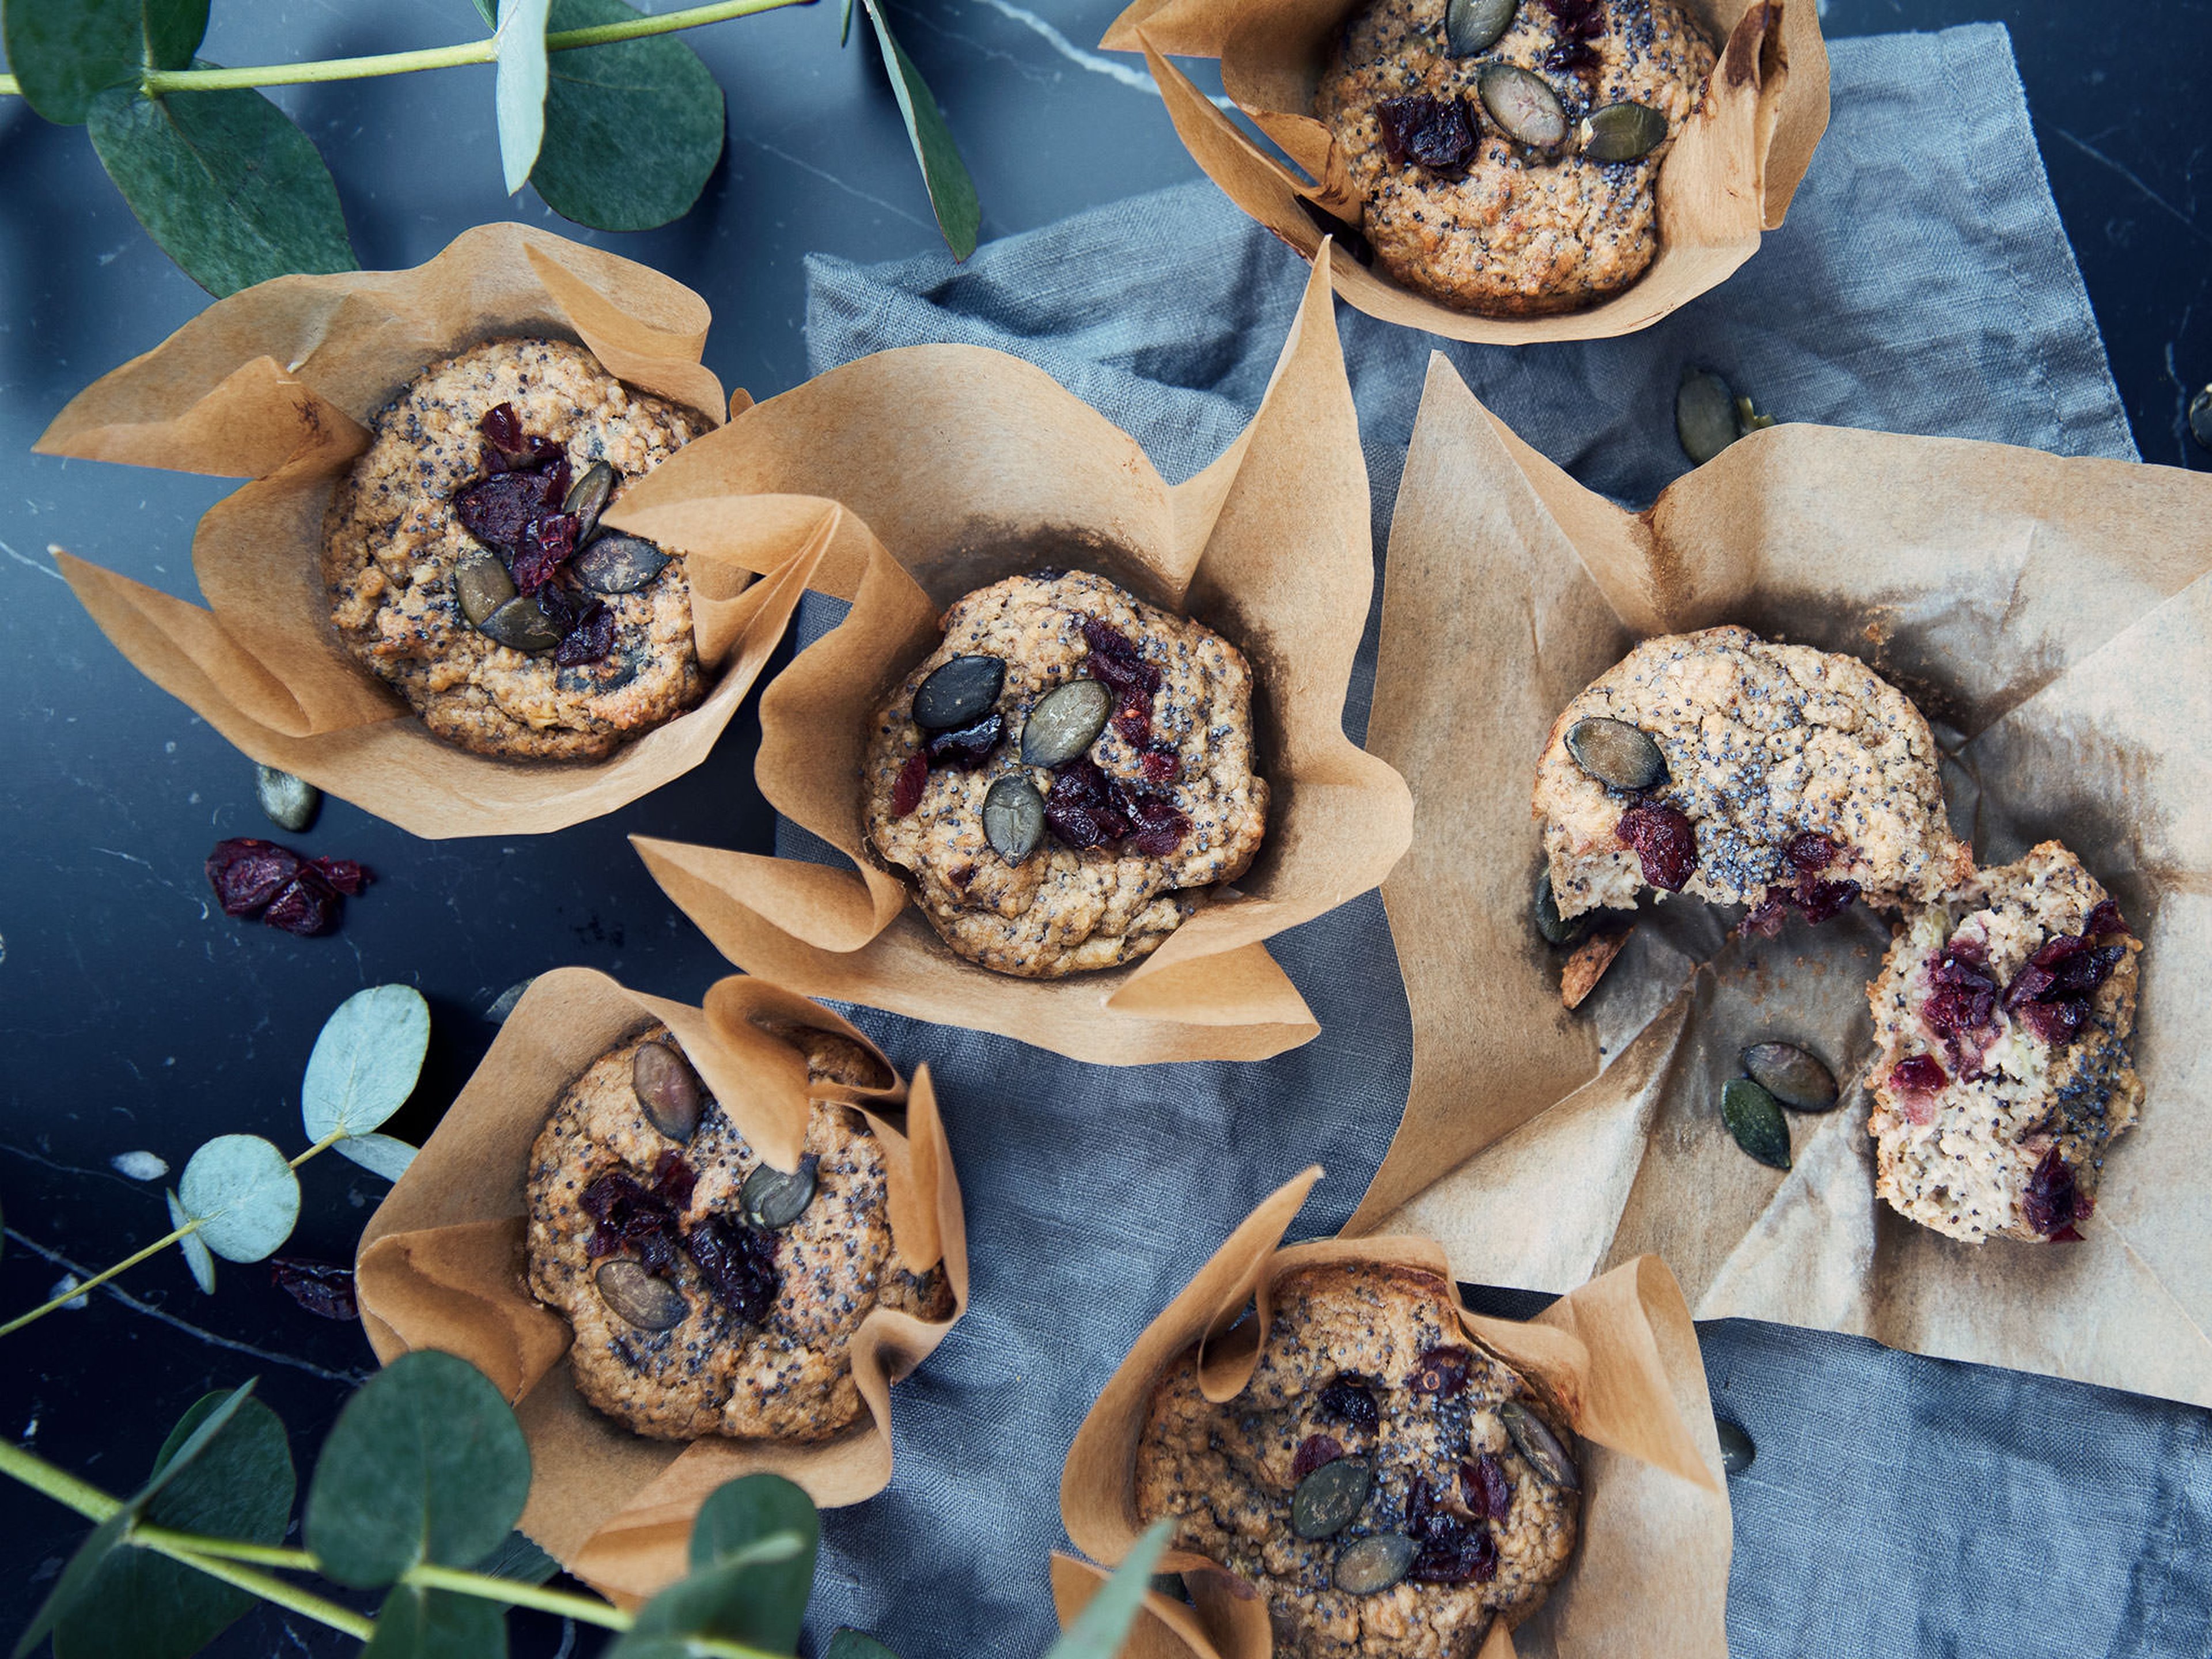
(967,466)
(1733,167)
(441,1262)
(1618,1356)
(2051,617)
(277,383)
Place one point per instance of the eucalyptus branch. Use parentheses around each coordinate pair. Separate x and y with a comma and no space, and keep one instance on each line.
(100,1279)
(275,1590)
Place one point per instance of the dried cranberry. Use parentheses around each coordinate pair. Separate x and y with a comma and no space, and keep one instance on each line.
(1348,1401)
(502,428)
(626,1215)
(589,639)
(1452,1551)
(906,794)
(1085,807)
(1161,763)
(2050,993)
(673,1180)
(1160,827)
(969,747)
(2105,920)
(498,509)
(1116,663)
(1766,917)
(1810,853)
(2058,1022)
(1134,720)
(545,545)
(306,905)
(1429,132)
(1964,997)
(1313,1452)
(1442,1372)
(1666,844)
(1489,1489)
(246,873)
(739,1260)
(1918,1074)
(2050,1201)
(347,876)
(323,1288)
(1578,20)
(1818,901)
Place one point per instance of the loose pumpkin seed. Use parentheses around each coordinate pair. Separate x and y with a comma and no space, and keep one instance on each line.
(587,498)
(1474,26)
(290,803)
(2199,417)
(617,564)
(1013,818)
(1622,133)
(1067,720)
(1756,1122)
(1327,1500)
(521,624)
(1523,104)
(482,585)
(1555,929)
(1615,753)
(959,693)
(776,1199)
(1795,1078)
(1748,420)
(1737,1450)
(1534,1439)
(649,1304)
(668,1090)
(1370,1565)
(1705,415)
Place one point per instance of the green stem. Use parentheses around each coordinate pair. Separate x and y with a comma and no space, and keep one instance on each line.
(583,1609)
(230,1549)
(100,1279)
(59,1485)
(275,1590)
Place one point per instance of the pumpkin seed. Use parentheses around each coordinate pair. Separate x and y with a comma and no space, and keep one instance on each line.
(649,1304)
(1534,1439)
(290,803)
(776,1199)
(482,585)
(1555,929)
(1794,1077)
(1327,1500)
(668,1090)
(1013,818)
(959,693)
(617,564)
(1748,420)
(2199,417)
(1615,753)
(1369,1565)
(1737,1450)
(1705,415)
(1756,1122)
(521,624)
(1067,720)
(1474,26)
(1622,133)
(1523,104)
(587,498)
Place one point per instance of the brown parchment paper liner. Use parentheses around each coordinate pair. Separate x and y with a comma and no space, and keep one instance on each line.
(2053,618)
(442,1261)
(1733,167)
(1618,1355)
(277,383)
(961,466)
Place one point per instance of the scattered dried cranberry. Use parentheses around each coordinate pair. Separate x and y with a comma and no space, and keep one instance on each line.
(1819,901)
(508,449)
(347,876)
(969,746)
(2051,993)
(1489,1489)
(1920,1074)
(304,906)
(625,1213)
(1161,763)
(254,878)
(739,1260)
(546,543)
(1442,1372)
(1313,1452)
(498,509)
(1962,1008)
(1580,23)
(1115,662)
(2050,1201)
(1666,844)
(1134,720)
(906,794)
(1348,1401)
(246,873)
(323,1288)
(673,1180)
(1809,853)
(1160,827)
(1429,132)
(589,639)
(1452,1551)
(2105,920)
(1816,901)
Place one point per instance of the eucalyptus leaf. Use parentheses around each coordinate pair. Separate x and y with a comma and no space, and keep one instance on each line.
(519,88)
(197,1256)
(632,131)
(952,191)
(1100,1629)
(430,1623)
(845,23)
(76,1580)
(232,190)
(63,52)
(856,1644)
(425,1463)
(365,1061)
(378,1154)
(734,1601)
(520,1559)
(242,1192)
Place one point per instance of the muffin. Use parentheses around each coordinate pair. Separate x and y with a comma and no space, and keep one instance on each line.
(1508,158)
(1066,775)
(710,1294)
(2003,1017)
(1389,1489)
(467,566)
(1746,772)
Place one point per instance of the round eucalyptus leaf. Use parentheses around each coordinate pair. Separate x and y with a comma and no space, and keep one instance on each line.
(378,1154)
(76,1581)
(63,54)
(243,1195)
(431,1624)
(752,1568)
(197,1256)
(425,1463)
(366,1061)
(519,88)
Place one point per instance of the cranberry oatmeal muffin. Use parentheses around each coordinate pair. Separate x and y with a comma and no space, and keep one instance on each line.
(466,565)
(1746,772)
(1509,156)
(1066,775)
(2002,1018)
(1388,1488)
(709,1293)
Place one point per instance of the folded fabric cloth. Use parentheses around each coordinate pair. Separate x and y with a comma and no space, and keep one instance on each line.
(1898,1505)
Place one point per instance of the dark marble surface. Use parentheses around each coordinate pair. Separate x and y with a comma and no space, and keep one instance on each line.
(133,1018)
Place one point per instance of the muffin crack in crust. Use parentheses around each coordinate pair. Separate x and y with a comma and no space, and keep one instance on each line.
(1441,1522)
(652,1283)
(392,542)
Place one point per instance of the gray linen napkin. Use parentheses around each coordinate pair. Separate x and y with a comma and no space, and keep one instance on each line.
(1898,1505)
